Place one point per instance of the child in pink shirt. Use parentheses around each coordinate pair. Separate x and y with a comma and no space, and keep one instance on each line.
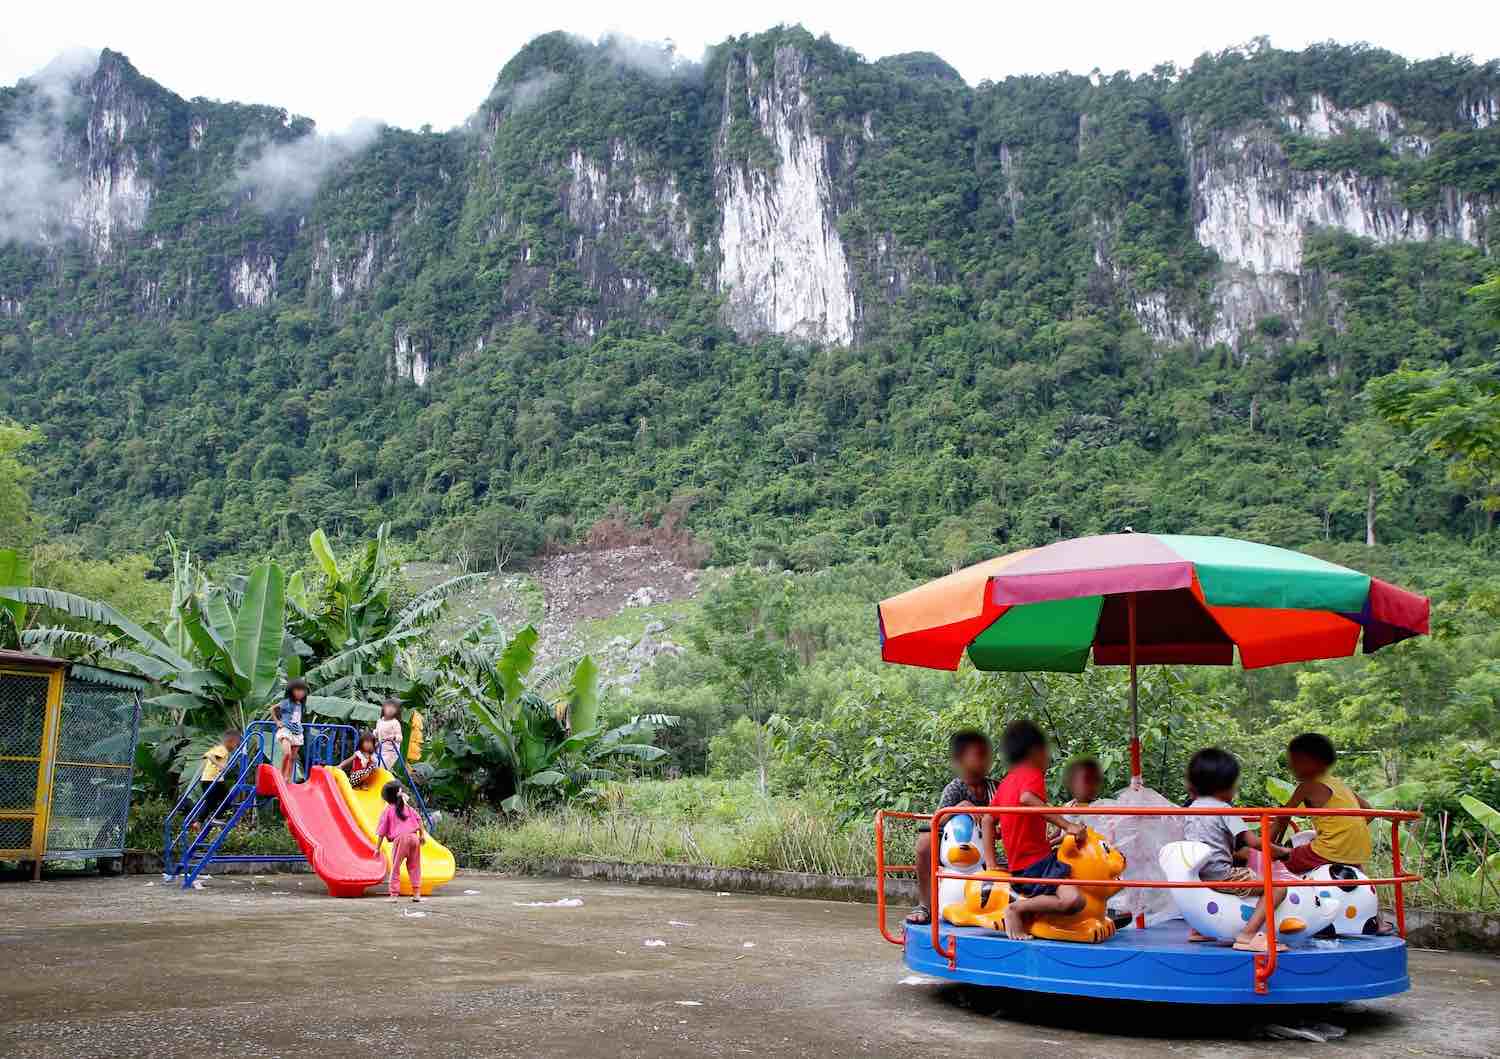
(401,825)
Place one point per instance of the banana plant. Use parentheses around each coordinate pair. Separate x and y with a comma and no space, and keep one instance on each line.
(351,620)
(545,733)
(221,658)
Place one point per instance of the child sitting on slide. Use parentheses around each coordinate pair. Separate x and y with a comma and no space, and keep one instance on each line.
(361,765)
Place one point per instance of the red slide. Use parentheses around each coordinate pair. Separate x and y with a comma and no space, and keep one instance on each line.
(320,820)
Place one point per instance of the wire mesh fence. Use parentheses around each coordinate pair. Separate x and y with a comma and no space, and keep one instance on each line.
(92,772)
(23,718)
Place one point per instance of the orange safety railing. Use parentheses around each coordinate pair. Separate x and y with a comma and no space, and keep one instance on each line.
(1265,963)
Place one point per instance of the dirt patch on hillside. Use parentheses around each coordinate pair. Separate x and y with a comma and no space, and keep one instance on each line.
(563,593)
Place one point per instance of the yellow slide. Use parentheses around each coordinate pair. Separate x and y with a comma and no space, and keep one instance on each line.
(367,805)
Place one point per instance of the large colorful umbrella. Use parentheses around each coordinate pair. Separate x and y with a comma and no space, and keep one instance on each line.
(1145,598)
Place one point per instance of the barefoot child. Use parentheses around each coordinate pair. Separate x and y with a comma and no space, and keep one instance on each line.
(971,785)
(401,825)
(1338,839)
(288,715)
(361,765)
(1212,777)
(1024,835)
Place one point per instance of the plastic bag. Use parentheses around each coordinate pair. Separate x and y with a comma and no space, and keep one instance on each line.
(1140,838)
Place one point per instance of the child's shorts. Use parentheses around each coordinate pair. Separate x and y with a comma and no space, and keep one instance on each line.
(1049,867)
(295,738)
(1304,860)
(1239,875)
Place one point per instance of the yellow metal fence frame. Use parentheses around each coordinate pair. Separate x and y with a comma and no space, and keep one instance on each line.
(40,813)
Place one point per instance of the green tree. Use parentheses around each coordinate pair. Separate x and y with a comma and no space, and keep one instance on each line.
(745,629)
(1369,468)
(1455,414)
(18,526)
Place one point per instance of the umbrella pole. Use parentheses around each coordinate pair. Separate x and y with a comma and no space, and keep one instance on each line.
(1135,742)
(1135,732)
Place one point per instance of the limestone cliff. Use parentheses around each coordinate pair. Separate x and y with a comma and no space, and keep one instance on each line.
(782,265)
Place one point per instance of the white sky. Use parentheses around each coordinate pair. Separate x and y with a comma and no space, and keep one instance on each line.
(433,62)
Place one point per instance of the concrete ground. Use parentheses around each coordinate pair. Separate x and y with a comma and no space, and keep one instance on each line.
(274,967)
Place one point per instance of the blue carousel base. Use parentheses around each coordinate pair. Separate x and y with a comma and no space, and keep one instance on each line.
(1159,964)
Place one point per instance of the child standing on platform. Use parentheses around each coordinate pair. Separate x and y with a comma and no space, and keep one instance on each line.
(388,735)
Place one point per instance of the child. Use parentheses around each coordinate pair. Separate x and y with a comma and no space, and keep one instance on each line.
(401,825)
(1340,839)
(972,760)
(215,758)
(361,765)
(288,715)
(1212,777)
(1082,777)
(1024,835)
(388,735)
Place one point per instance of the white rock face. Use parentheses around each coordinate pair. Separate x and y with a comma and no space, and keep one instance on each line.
(603,197)
(252,282)
(1255,211)
(409,361)
(345,273)
(114,195)
(782,266)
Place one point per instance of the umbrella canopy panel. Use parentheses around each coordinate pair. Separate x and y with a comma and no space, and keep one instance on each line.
(1198,599)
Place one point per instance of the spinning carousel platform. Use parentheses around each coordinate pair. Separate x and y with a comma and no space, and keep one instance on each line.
(1160,964)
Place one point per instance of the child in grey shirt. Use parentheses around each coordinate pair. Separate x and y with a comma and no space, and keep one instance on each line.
(1213,777)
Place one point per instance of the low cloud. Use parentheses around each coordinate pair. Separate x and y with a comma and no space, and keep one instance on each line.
(281,176)
(529,91)
(37,190)
(654,58)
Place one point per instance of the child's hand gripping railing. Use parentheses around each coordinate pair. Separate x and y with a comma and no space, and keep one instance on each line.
(1265,963)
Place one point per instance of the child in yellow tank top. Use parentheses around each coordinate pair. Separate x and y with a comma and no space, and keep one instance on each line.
(1339,839)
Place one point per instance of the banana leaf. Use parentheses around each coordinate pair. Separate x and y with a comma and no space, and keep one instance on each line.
(100,614)
(258,629)
(321,550)
(15,569)
(583,696)
(1488,816)
(516,661)
(343,709)
(1409,793)
(1279,789)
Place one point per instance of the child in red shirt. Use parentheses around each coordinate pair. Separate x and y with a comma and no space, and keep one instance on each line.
(1024,835)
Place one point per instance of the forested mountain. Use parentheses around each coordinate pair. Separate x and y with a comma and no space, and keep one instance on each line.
(840,309)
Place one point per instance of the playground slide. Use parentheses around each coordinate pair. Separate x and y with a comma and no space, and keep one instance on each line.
(366,805)
(320,820)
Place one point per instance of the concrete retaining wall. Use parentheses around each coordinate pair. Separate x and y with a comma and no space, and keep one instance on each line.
(859,889)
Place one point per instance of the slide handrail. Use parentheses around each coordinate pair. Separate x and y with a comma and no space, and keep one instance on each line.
(1265,963)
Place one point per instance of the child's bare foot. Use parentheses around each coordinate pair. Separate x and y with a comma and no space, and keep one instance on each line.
(1015,925)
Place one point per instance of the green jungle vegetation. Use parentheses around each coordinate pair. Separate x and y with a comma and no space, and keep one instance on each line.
(162,469)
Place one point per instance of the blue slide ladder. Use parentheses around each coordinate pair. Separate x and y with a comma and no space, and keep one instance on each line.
(192,837)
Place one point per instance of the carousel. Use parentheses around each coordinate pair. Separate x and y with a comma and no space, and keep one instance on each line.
(1133,599)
